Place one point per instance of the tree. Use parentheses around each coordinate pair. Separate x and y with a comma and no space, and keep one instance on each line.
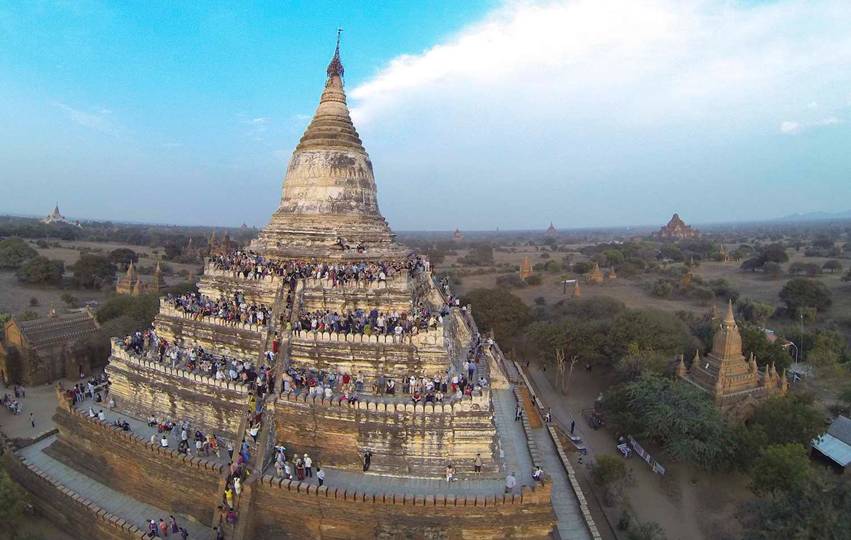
(755,341)
(801,293)
(13,501)
(662,288)
(674,415)
(41,270)
(832,266)
(582,267)
(755,312)
(779,420)
(772,269)
(649,530)
(93,271)
(649,330)
(780,467)
(14,252)
(818,508)
(69,299)
(123,256)
(500,311)
(773,253)
(610,473)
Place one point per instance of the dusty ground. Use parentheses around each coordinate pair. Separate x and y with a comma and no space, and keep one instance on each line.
(688,504)
(15,297)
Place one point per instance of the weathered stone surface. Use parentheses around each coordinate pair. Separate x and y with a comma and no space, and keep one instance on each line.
(128,465)
(142,388)
(404,439)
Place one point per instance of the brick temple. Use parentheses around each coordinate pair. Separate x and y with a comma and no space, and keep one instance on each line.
(735,383)
(328,215)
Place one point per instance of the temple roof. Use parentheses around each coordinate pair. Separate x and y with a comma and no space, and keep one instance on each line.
(52,330)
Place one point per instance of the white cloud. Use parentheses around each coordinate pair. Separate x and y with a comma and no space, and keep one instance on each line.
(637,61)
(588,95)
(829,121)
(789,127)
(97,120)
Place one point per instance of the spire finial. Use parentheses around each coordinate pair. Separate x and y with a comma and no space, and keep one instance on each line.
(336,66)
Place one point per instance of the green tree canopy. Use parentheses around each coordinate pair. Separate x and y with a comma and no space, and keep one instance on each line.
(14,252)
(755,341)
(13,500)
(675,415)
(780,468)
(779,420)
(500,311)
(93,271)
(801,293)
(123,256)
(649,330)
(818,508)
(41,270)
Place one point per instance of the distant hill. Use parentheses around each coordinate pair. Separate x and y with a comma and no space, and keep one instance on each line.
(815,216)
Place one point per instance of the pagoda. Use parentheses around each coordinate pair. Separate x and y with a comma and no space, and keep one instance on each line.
(378,407)
(734,382)
(329,205)
(676,229)
(457,235)
(551,230)
(595,276)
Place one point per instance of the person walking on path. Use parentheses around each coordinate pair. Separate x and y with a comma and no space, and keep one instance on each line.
(572,425)
(548,418)
(518,412)
(173,523)
(32,420)
(510,482)
(367,460)
(320,475)
(477,464)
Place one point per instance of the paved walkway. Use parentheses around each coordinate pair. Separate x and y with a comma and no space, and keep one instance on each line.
(511,440)
(571,523)
(141,428)
(107,498)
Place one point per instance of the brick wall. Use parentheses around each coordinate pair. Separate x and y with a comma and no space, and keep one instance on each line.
(69,511)
(404,438)
(286,509)
(127,463)
(142,388)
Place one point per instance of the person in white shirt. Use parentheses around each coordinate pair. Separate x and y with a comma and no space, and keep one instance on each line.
(320,475)
(510,482)
(164,441)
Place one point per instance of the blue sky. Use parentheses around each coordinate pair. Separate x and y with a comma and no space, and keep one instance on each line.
(476,114)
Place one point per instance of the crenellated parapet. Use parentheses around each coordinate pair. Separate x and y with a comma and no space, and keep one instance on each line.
(118,352)
(314,511)
(132,465)
(235,339)
(143,388)
(424,338)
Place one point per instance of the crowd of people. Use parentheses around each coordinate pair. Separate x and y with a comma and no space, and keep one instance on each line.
(251,265)
(14,404)
(198,360)
(342,386)
(231,310)
(164,528)
(373,322)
